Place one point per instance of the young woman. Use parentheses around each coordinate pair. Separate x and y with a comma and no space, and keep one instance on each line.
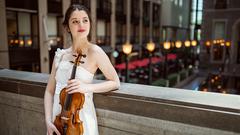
(77,23)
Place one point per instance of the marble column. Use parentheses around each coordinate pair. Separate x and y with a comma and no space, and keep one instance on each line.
(113,29)
(128,20)
(4,55)
(160,22)
(94,20)
(140,27)
(66,36)
(44,53)
(151,21)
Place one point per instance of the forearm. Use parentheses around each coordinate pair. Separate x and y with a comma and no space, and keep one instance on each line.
(48,103)
(104,86)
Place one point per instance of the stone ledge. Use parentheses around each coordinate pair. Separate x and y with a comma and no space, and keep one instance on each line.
(210,110)
(133,124)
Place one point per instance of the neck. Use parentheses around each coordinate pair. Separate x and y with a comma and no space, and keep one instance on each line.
(80,44)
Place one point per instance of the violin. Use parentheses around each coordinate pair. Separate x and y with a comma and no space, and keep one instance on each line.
(68,122)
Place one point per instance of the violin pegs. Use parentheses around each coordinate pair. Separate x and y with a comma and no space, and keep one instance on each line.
(84,55)
(81,62)
(74,55)
(71,61)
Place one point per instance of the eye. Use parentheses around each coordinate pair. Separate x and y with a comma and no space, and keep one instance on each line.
(75,22)
(85,20)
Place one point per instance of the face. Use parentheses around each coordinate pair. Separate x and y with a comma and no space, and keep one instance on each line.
(79,24)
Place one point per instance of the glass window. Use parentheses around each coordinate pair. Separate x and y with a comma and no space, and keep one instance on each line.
(193,17)
(199,17)
(101,32)
(219,33)
(196,18)
(219,30)
(22,30)
(176,2)
(180,3)
(52,26)
(24,24)
(180,20)
(200,4)
(12,28)
(194,4)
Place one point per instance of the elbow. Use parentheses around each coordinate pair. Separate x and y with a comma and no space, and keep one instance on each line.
(117,84)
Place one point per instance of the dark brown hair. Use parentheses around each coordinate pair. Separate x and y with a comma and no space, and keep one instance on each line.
(71,9)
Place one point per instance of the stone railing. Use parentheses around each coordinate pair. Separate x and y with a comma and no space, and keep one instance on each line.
(131,110)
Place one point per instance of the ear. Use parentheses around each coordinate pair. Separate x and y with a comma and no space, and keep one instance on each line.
(68,30)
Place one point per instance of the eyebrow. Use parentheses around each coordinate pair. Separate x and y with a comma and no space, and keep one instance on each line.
(77,18)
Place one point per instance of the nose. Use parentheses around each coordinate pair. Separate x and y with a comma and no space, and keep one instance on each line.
(81,23)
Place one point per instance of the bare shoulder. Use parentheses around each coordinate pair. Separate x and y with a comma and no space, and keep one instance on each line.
(97,51)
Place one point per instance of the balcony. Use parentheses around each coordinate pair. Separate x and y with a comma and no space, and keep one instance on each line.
(133,109)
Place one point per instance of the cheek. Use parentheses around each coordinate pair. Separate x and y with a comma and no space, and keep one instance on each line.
(72,29)
(87,26)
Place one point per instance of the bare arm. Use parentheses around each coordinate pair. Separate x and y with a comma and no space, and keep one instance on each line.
(104,64)
(109,72)
(48,96)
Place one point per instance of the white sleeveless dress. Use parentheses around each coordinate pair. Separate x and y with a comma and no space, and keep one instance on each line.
(63,73)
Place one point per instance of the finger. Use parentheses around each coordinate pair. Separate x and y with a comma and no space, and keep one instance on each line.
(56,130)
(72,88)
(73,91)
(72,83)
(72,80)
(50,133)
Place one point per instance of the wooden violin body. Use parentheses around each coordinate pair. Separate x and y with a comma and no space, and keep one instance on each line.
(68,121)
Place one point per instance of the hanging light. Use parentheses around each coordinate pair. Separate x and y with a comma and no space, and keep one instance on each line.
(208,43)
(16,41)
(127,48)
(194,42)
(21,43)
(167,45)
(187,43)
(214,41)
(150,46)
(29,42)
(178,44)
(228,44)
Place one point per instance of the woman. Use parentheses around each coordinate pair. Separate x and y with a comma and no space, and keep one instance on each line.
(77,23)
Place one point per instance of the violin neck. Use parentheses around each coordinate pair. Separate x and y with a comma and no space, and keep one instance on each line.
(68,99)
(73,72)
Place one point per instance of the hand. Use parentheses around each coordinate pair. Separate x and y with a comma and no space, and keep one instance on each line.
(76,85)
(51,128)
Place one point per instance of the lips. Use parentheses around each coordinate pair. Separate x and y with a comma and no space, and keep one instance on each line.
(81,30)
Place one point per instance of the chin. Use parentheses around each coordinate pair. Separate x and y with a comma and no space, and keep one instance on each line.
(81,35)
